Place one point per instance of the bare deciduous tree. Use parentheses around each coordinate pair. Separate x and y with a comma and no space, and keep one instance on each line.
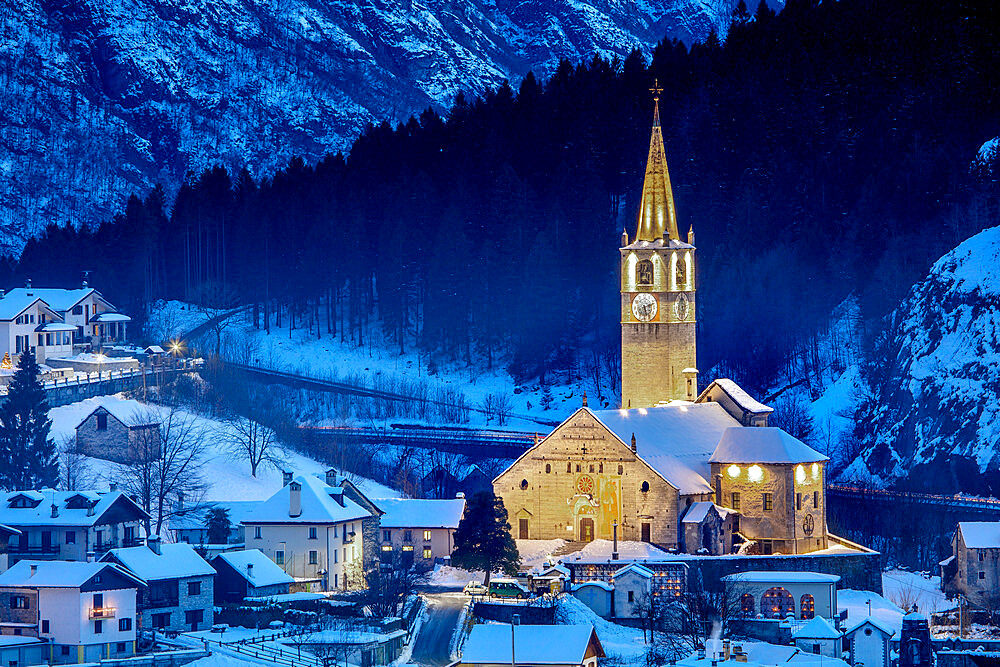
(75,470)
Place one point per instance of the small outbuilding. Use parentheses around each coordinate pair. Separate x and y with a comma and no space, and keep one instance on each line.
(777,594)
(548,645)
(633,591)
(120,431)
(595,594)
(867,642)
(248,574)
(819,637)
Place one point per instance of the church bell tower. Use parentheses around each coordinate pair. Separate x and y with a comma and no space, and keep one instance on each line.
(658,292)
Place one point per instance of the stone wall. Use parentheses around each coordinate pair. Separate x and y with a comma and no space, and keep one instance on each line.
(530,614)
(110,444)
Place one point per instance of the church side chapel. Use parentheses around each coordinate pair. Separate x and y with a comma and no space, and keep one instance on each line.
(686,471)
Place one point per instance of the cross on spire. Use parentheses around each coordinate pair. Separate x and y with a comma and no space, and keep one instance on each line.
(656,90)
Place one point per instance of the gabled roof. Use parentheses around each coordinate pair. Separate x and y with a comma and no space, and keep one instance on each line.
(816,628)
(8,530)
(320,504)
(764,444)
(699,510)
(264,572)
(127,411)
(12,305)
(58,573)
(869,620)
(41,514)
(533,644)
(58,299)
(174,561)
(635,568)
(980,534)
(737,394)
(420,513)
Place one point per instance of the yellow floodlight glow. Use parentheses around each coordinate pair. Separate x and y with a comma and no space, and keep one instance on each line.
(800,474)
(755,473)
(733,470)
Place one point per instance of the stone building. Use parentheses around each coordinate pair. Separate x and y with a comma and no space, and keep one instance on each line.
(657,293)
(120,432)
(973,569)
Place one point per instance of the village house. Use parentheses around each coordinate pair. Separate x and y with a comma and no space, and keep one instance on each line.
(819,637)
(180,585)
(7,534)
(69,525)
(119,431)
(775,594)
(22,651)
(248,574)
(868,643)
(548,645)
(973,569)
(633,591)
(85,611)
(418,531)
(313,531)
(94,320)
(29,324)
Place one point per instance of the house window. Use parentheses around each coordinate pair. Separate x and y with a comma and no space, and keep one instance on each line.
(256,532)
(98,627)
(569,467)
(644,272)
(816,499)
(621,470)
(64,650)
(591,467)
(548,468)
(193,617)
(631,596)
(313,557)
(78,310)
(161,621)
(982,556)
(120,647)
(45,627)
(578,467)
(768,502)
(427,536)
(336,556)
(600,467)
(982,575)
(427,553)
(70,537)
(194,588)
(798,501)
(735,503)
(524,484)
(807,607)
(18,602)
(387,536)
(102,422)
(124,624)
(407,537)
(645,487)
(816,649)
(279,557)
(98,600)
(312,532)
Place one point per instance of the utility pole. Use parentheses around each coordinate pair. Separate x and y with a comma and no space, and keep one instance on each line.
(515,620)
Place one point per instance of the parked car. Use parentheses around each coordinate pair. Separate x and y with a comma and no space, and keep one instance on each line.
(475,588)
(508,588)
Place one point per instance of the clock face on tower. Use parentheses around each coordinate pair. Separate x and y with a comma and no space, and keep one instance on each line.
(644,307)
(681,306)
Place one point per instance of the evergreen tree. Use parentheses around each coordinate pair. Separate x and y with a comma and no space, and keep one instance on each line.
(30,460)
(218,525)
(483,540)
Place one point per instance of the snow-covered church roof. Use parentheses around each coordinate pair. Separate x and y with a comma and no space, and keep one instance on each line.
(763,444)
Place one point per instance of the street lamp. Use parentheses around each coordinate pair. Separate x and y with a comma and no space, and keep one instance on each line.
(515,619)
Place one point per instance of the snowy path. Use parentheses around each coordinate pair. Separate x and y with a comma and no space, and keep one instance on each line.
(433,644)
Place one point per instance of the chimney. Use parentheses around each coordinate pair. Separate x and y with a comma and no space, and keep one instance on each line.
(34,570)
(153,542)
(633,444)
(286,477)
(249,570)
(180,501)
(90,508)
(91,556)
(55,510)
(3,292)
(113,486)
(460,494)
(584,398)
(294,499)
(27,286)
(331,477)
(691,382)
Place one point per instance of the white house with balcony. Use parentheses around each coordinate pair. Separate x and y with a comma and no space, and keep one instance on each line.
(29,324)
(86,611)
(313,531)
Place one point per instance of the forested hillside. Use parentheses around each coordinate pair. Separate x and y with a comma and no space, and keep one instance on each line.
(819,152)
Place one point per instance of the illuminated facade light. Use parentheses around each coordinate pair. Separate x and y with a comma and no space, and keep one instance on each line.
(733,470)
(815,471)
(800,474)
(755,473)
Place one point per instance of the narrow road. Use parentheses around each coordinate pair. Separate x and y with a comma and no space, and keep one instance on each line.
(433,643)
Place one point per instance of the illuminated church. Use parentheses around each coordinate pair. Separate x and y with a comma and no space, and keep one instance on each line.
(698,472)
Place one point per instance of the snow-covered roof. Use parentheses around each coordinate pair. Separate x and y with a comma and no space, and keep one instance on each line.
(9,530)
(816,628)
(12,305)
(155,349)
(980,534)
(111,317)
(870,620)
(320,504)
(55,326)
(173,562)
(255,567)
(764,444)
(420,513)
(635,568)
(699,510)
(779,576)
(767,654)
(17,640)
(915,616)
(533,644)
(127,411)
(60,300)
(739,396)
(57,573)
(594,582)
(676,439)
(196,518)
(41,514)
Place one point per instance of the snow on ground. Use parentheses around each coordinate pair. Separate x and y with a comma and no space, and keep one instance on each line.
(621,643)
(173,319)
(882,610)
(227,476)
(537,552)
(627,550)
(908,588)
(222,660)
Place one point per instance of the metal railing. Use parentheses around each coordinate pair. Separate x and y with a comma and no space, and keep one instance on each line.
(103,612)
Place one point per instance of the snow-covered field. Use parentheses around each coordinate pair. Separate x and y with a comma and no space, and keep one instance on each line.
(621,643)
(228,477)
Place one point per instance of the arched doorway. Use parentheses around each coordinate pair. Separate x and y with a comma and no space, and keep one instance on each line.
(777,603)
(807,607)
(746,605)
(587,530)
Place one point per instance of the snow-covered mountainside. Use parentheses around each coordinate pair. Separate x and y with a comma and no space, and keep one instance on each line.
(934,412)
(99,98)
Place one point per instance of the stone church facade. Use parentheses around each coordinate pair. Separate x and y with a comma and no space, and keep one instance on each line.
(701,473)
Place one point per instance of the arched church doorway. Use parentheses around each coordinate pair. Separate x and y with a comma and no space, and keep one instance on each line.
(586,530)
(777,603)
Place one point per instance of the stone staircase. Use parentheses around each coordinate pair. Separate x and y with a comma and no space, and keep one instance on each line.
(568,548)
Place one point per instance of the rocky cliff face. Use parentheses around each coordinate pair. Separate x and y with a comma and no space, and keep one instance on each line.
(99,98)
(933,419)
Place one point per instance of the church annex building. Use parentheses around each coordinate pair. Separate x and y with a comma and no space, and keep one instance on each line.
(696,472)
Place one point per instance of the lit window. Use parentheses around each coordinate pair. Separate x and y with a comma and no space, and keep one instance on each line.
(800,474)
(735,504)
(755,473)
(733,470)
(385,547)
(427,553)
(427,536)
(815,470)
(768,502)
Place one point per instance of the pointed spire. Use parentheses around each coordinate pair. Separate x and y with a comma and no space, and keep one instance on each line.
(691,235)
(657,218)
